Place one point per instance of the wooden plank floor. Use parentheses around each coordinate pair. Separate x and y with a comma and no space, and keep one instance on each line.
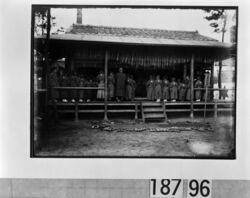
(134,107)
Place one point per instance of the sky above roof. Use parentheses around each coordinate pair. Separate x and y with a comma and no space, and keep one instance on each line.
(169,19)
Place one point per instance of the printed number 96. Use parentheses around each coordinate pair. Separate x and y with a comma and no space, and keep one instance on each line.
(199,188)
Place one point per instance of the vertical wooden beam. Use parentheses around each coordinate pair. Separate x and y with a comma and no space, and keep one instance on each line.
(106,86)
(79,16)
(142,113)
(219,78)
(215,109)
(71,64)
(47,63)
(76,111)
(55,110)
(164,110)
(212,82)
(184,71)
(192,86)
(136,111)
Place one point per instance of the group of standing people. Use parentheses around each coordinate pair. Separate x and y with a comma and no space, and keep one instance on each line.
(59,78)
(120,86)
(173,90)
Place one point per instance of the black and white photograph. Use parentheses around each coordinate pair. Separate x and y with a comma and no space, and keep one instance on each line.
(133,81)
(124,99)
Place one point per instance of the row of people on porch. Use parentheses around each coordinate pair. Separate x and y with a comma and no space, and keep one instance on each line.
(122,87)
(165,90)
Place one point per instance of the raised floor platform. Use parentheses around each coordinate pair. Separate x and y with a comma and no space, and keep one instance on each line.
(134,107)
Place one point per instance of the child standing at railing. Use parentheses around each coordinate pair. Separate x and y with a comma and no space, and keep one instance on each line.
(133,87)
(173,90)
(198,84)
(120,85)
(73,83)
(182,91)
(188,88)
(150,88)
(129,88)
(53,82)
(158,92)
(64,82)
(111,86)
(100,91)
(81,92)
(165,89)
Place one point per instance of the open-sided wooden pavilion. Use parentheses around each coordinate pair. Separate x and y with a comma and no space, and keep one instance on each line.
(138,50)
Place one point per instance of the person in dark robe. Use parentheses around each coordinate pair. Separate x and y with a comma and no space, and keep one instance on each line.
(129,88)
(93,92)
(64,83)
(111,86)
(158,88)
(74,83)
(165,89)
(198,84)
(173,90)
(54,82)
(100,91)
(60,76)
(82,83)
(182,91)
(188,88)
(88,92)
(178,88)
(70,91)
(120,85)
(140,88)
(150,88)
(133,87)
(224,93)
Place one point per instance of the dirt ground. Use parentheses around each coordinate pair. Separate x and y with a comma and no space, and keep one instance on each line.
(117,138)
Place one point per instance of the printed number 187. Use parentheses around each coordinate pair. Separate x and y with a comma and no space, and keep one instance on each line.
(166,188)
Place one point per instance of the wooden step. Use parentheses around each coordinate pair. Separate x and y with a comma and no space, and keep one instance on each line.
(145,104)
(153,109)
(154,116)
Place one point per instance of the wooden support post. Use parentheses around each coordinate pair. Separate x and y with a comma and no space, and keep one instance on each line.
(136,111)
(47,63)
(215,109)
(164,110)
(219,78)
(55,110)
(71,64)
(192,86)
(76,110)
(184,71)
(142,113)
(212,82)
(106,86)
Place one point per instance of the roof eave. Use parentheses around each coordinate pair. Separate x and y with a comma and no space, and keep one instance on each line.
(137,41)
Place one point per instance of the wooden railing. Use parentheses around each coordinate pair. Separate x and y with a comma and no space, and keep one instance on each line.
(136,104)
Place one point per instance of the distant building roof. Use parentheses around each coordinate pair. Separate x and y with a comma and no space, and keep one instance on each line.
(137,36)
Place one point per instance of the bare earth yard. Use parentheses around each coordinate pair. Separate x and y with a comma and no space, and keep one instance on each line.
(118,138)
